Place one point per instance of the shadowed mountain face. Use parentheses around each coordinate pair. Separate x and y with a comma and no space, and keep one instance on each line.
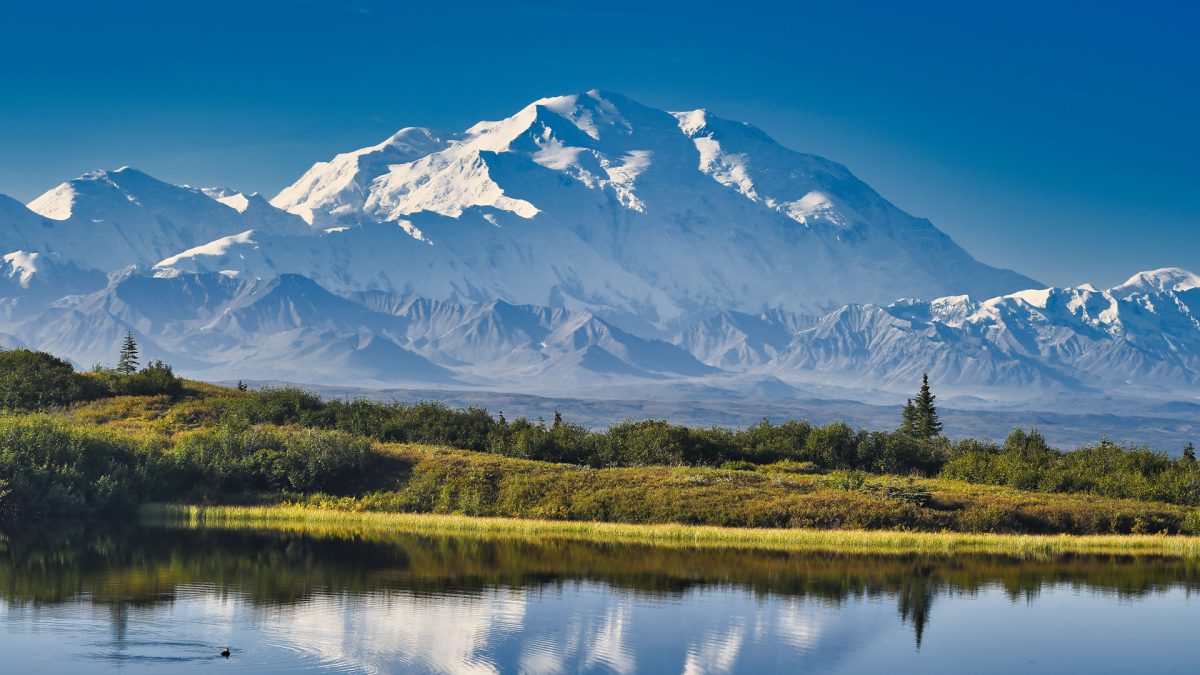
(585,243)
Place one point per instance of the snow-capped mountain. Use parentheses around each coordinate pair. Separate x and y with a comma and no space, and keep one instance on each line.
(1142,335)
(108,220)
(30,281)
(585,244)
(595,202)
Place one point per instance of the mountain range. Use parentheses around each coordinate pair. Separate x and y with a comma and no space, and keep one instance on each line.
(587,244)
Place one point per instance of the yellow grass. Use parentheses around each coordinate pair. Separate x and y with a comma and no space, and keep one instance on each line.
(359,524)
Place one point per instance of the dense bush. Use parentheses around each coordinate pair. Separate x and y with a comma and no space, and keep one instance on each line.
(629,443)
(37,381)
(156,379)
(1027,462)
(425,422)
(49,467)
(238,458)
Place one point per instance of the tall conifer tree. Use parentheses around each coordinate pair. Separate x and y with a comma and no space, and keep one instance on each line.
(127,363)
(920,417)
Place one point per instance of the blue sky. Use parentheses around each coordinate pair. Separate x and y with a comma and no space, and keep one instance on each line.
(1056,138)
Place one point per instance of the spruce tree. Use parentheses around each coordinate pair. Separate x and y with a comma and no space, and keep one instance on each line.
(908,419)
(920,414)
(557,420)
(127,363)
(1189,452)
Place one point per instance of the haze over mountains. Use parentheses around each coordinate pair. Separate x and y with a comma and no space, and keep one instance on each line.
(587,244)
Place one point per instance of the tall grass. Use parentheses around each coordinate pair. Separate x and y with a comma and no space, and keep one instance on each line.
(298,518)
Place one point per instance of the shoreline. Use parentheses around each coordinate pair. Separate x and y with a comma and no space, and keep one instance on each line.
(855,542)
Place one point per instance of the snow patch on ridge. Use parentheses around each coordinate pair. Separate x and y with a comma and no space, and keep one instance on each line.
(215,248)
(23,265)
(55,204)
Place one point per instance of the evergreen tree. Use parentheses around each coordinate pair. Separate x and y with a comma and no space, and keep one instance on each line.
(127,364)
(1189,452)
(908,418)
(557,420)
(920,417)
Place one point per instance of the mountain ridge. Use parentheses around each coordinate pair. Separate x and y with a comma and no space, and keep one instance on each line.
(587,242)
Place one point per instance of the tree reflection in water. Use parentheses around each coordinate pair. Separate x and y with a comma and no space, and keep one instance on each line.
(126,567)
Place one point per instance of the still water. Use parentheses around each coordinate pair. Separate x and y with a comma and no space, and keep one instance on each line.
(159,599)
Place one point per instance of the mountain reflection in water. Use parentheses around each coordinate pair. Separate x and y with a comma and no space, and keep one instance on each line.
(150,599)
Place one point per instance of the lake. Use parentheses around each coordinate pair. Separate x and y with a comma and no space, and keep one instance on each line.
(142,599)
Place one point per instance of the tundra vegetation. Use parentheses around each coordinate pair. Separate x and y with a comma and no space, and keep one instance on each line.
(77,443)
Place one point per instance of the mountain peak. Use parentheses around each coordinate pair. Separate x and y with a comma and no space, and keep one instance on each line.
(1161,280)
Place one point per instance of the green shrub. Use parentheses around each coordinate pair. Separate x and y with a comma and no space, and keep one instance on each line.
(793,467)
(764,442)
(279,406)
(1191,523)
(992,518)
(237,458)
(38,381)
(156,379)
(846,480)
(909,492)
(48,467)
(738,465)
(1026,462)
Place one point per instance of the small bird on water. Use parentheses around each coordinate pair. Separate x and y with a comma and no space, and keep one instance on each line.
(225,653)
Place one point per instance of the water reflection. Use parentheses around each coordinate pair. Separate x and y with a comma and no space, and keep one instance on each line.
(166,599)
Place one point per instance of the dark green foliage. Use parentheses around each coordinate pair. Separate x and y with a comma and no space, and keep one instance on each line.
(765,443)
(425,422)
(629,443)
(127,362)
(280,406)
(49,467)
(834,446)
(1026,462)
(238,458)
(38,381)
(1189,452)
(565,442)
(156,379)
(656,442)
(739,465)
(920,416)
(908,492)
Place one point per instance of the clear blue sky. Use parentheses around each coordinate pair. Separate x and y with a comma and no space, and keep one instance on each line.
(1056,138)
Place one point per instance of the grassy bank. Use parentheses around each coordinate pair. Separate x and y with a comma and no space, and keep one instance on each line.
(428,479)
(204,444)
(367,524)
